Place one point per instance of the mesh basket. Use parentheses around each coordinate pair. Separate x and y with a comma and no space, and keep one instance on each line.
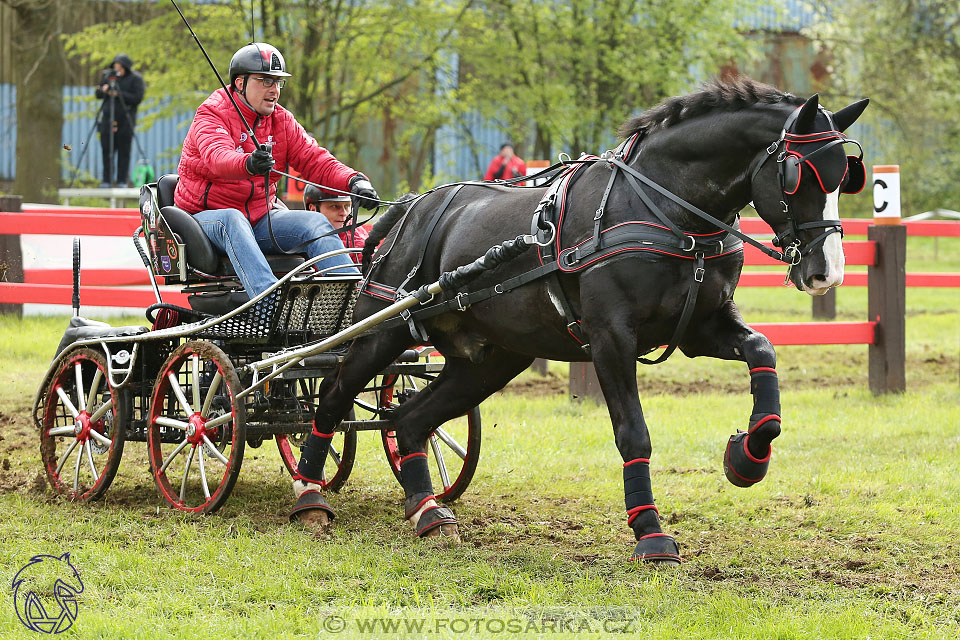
(255,322)
(321,308)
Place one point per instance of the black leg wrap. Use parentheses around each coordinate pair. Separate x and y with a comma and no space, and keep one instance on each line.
(415,475)
(413,503)
(657,547)
(642,513)
(434,517)
(766,392)
(314,456)
(308,501)
(741,468)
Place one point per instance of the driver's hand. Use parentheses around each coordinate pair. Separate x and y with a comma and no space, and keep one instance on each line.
(366,195)
(260,162)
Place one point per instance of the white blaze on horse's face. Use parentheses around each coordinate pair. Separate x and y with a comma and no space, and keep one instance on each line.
(832,252)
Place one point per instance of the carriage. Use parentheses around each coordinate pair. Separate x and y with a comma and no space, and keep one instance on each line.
(206,382)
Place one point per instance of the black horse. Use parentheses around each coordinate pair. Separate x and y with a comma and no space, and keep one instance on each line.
(717,149)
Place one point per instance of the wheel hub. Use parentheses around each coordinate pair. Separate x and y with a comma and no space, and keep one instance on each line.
(82,426)
(196,428)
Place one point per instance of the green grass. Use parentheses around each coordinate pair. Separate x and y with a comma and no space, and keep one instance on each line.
(852,534)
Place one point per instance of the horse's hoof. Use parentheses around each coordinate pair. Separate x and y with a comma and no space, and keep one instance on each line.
(659,549)
(739,465)
(312,510)
(437,521)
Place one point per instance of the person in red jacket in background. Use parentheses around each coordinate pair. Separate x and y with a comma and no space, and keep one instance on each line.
(338,209)
(226,181)
(505,165)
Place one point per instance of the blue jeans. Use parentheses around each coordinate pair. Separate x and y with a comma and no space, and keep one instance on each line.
(230,232)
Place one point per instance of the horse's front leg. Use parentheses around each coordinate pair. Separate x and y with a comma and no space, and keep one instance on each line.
(614,353)
(725,335)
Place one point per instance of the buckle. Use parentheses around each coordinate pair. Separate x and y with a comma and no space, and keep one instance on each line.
(773,147)
(693,244)
(698,274)
(459,299)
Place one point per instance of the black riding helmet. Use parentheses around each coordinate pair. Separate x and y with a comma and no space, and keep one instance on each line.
(313,195)
(257,57)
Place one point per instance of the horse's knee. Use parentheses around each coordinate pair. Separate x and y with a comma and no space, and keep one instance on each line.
(758,351)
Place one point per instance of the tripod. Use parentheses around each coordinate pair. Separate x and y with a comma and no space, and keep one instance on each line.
(97,124)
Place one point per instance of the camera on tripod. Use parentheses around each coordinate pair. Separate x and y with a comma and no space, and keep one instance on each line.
(109,76)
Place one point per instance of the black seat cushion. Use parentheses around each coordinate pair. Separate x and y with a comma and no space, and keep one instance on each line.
(165,187)
(201,254)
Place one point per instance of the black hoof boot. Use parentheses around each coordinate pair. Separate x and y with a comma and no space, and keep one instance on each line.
(657,548)
(740,466)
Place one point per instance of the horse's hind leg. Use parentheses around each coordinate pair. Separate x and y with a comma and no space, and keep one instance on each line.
(613,350)
(460,386)
(725,335)
(366,357)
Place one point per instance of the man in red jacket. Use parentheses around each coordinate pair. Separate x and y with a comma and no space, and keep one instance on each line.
(338,209)
(226,181)
(505,165)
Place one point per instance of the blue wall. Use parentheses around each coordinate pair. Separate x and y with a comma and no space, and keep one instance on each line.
(160,140)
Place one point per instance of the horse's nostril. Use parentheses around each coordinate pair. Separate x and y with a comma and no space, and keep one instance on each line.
(817,278)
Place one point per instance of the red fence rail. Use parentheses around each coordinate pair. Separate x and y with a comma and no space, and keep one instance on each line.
(882,253)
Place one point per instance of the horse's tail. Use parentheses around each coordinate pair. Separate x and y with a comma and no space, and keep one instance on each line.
(382,227)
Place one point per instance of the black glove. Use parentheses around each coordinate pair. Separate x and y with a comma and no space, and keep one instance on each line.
(260,162)
(366,195)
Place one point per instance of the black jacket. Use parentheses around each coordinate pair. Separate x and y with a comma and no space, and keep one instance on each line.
(131,90)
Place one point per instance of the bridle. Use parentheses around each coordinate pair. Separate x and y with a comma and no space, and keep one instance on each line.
(789,165)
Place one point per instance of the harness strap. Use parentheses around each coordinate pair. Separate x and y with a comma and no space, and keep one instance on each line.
(776,255)
(425,239)
(573,322)
(685,315)
(597,237)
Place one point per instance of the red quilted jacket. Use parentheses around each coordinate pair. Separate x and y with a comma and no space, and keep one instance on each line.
(212,173)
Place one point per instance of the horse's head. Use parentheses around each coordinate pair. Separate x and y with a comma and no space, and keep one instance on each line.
(796,187)
(43,581)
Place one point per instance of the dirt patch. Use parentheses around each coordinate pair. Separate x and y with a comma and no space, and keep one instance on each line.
(548,385)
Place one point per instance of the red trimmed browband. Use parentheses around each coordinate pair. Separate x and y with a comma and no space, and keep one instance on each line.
(412,455)
(759,369)
(641,460)
(763,420)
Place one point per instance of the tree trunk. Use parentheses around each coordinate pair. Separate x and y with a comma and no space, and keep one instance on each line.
(39,101)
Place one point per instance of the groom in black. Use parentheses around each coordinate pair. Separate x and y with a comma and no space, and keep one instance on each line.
(121,89)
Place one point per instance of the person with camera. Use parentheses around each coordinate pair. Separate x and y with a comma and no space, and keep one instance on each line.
(338,209)
(121,89)
(505,165)
(227,184)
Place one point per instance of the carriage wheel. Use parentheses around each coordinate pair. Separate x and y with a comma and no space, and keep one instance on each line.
(83,417)
(453,449)
(197,428)
(342,454)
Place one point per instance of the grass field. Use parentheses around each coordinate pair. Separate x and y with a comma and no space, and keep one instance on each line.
(852,535)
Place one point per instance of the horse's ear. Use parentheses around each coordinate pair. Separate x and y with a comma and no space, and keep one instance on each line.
(807,114)
(849,114)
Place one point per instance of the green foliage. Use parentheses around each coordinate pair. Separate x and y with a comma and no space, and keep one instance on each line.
(905,56)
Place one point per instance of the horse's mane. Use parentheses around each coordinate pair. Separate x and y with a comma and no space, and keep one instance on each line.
(717,95)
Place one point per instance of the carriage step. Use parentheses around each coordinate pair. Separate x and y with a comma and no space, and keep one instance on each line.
(333,359)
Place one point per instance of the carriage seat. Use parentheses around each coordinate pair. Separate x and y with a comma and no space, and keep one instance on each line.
(201,254)
(83,329)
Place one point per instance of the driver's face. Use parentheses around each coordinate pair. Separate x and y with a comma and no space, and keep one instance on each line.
(336,212)
(262,99)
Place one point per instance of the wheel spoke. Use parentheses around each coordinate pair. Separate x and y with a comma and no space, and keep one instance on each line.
(164,421)
(186,472)
(450,442)
(65,399)
(219,420)
(66,454)
(178,391)
(211,392)
(102,439)
(335,454)
(195,382)
(173,454)
(68,430)
(81,397)
(441,465)
(101,410)
(89,451)
(212,450)
(76,471)
(94,387)
(203,473)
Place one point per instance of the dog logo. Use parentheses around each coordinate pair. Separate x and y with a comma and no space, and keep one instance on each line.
(45,593)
